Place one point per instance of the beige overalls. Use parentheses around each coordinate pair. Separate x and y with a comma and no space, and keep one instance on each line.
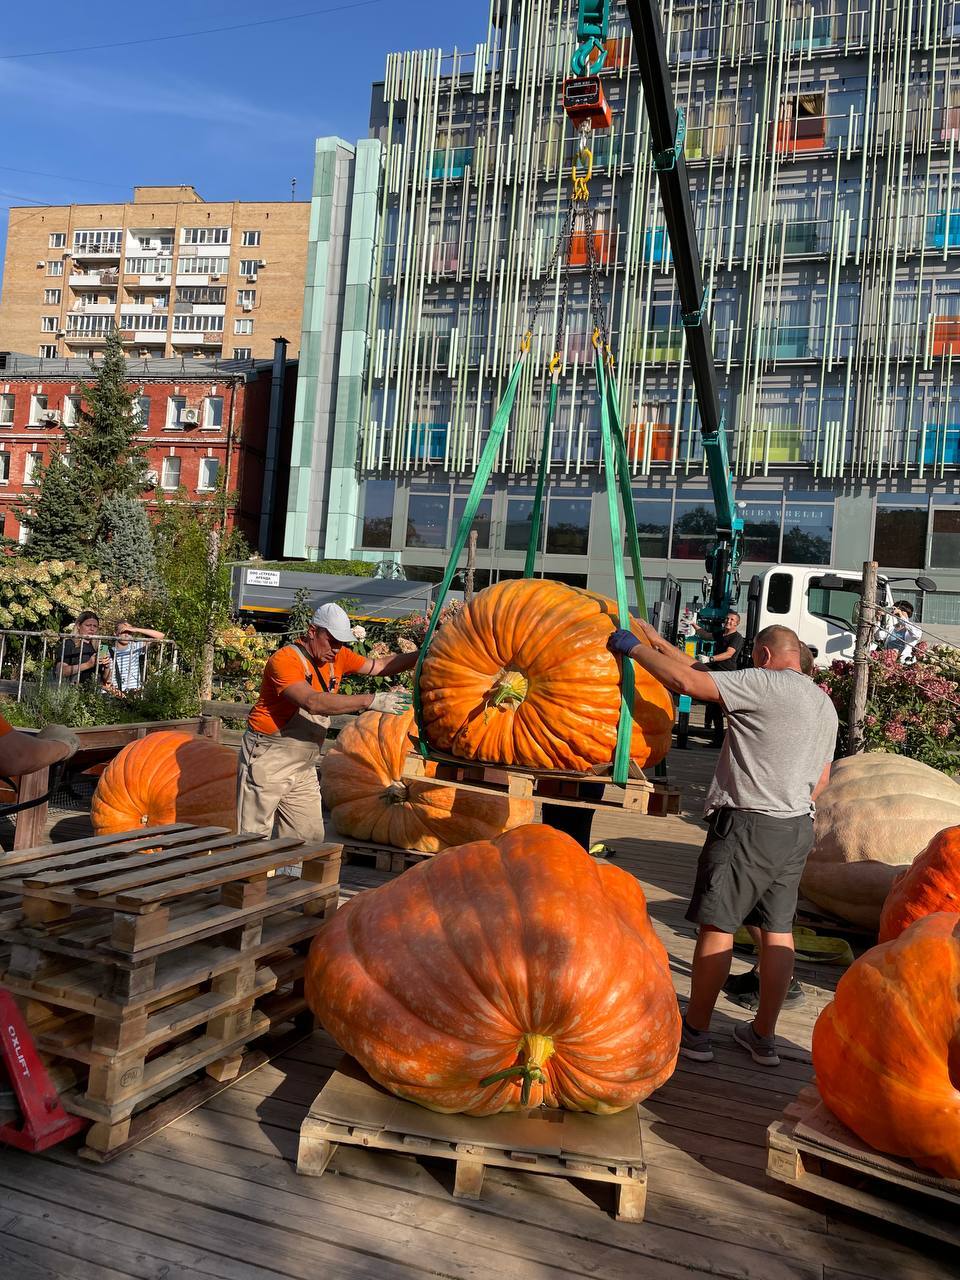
(278,792)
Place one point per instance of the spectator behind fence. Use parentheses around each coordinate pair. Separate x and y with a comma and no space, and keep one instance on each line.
(125,673)
(897,632)
(80,654)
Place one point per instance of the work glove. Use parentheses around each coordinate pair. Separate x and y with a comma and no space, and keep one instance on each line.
(393,701)
(60,733)
(622,642)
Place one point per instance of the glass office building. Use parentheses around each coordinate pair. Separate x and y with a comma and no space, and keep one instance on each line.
(822,149)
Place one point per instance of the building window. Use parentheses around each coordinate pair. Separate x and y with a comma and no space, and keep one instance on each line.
(4,468)
(141,411)
(519,523)
(205,235)
(7,403)
(48,324)
(244,327)
(170,472)
(58,239)
(251,239)
(31,464)
(71,410)
(900,535)
(761,526)
(54,268)
(481,521)
(47,351)
(207,475)
(23,533)
(694,529)
(246,298)
(213,413)
(212,294)
(653,524)
(38,407)
(242,353)
(427,515)
(151,266)
(98,241)
(377,520)
(51,297)
(203,266)
(945,540)
(249,266)
(807,532)
(175,407)
(568,526)
(198,323)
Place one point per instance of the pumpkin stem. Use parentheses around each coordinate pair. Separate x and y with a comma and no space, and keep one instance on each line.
(536,1050)
(511,687)
(396,792)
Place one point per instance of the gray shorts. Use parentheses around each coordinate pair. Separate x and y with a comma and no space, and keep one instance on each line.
(749,871)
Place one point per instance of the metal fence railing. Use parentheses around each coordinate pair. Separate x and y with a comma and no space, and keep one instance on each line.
(29,658)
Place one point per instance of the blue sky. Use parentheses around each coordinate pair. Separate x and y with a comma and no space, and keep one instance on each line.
(234,113)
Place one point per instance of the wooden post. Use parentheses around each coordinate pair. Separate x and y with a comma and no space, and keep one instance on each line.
(471,566)
(213,559)
(31,822)
(861,671)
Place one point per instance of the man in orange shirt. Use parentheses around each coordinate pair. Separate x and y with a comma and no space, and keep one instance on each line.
(277,787)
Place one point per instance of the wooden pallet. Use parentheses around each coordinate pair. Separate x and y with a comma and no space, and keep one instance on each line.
(810,1149)
(638,794)
(384,857)
(153,966)
(351,1110)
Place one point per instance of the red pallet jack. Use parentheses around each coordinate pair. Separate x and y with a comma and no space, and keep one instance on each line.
(45,1123)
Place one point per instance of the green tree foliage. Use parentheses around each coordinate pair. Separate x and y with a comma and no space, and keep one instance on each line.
(59,518)
(126,555)
(301,612)
(192,561)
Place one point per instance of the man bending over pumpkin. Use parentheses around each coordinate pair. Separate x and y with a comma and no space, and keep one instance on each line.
(775,759)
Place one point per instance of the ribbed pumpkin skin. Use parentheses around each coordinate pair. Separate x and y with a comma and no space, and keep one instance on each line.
(887,1050)
(931,884)
(167,776)
(368,797)
(554,637)
(433,981)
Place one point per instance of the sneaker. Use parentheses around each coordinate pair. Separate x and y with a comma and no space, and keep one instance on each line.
(695,1044)
(762,1049)
(744,989)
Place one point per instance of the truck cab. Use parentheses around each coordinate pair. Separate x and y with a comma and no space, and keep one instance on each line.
(823,616)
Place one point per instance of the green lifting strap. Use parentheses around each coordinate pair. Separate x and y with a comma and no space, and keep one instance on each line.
(536,521)
(488,457)
(626,497)
(621,755)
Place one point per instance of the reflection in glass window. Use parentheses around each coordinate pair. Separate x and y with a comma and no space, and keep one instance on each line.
(568,526)
(653,525)
(694,529)
(519,522)
(427,515)
(808,533)
(899,536)
(945,543)
(761,529)
(377,530)
(841,605)
(481,521)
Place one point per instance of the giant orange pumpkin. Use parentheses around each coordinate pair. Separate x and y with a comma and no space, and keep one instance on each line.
(168,776)
(369,798)
(523,676)
(887,1050)
(501,974)
(931,883)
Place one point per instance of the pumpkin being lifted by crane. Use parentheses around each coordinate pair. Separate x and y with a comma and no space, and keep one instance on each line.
(522,676)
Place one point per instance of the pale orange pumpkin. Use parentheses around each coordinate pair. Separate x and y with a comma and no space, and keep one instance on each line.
(168,776)
(523,676)
(369,798)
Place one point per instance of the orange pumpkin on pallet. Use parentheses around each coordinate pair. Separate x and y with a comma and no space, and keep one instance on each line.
(523,676)
(503,974)
(931,883)
(369,798)
(885,1050)
(168,776)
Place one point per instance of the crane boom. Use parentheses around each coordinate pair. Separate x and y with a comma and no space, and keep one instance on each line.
(667,127)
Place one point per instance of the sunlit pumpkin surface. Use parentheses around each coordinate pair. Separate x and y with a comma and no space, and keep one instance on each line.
(523,676)
(369,798)
(504,973)
(167,776)
(887,1049)
(931,883)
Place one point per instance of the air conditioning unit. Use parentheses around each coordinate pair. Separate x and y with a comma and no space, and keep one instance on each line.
(41,263)
(51,415)
(191,416)
(251,279)
(248,306)
(151,478)
(263,262)
(214,277)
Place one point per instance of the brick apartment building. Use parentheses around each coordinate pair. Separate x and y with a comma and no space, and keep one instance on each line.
(177,275)
(203,421)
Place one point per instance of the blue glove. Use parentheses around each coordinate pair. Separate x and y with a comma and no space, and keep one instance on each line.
(622,642)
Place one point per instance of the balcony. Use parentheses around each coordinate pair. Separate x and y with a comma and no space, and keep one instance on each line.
(94,280)
(97,252)
(182,339)
(88,338)
(92,309)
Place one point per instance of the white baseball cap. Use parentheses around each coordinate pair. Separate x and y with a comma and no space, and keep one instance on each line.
(333,619)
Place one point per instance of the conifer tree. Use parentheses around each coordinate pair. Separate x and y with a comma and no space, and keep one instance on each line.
(126,553)
(58,519)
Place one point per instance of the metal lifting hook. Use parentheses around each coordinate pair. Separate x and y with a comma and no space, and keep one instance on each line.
(582,160)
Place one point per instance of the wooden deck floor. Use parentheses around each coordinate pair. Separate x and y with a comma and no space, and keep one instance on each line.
(216,1194)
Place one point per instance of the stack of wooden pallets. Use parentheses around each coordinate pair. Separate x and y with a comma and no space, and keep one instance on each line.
(145,959)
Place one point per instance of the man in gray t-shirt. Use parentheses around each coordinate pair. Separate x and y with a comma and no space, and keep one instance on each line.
(781,735)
